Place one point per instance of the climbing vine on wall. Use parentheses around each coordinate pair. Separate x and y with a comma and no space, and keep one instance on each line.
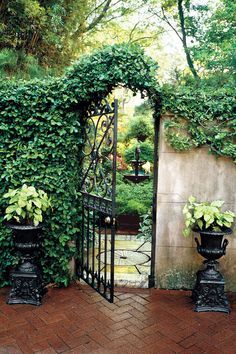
(201,116)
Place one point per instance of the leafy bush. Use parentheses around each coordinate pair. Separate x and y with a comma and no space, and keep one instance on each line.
(133,198)
(145,231)
(16,64)
(140,128)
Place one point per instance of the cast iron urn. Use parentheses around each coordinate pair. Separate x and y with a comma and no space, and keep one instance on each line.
(27,284)
(208,293)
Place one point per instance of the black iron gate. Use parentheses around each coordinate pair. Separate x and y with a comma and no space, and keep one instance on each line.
(96,242)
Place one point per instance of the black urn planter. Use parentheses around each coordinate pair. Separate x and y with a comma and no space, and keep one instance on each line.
(27,284)
(208,293)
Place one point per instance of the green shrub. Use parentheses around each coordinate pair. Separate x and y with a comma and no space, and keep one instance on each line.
(16,64)
(8,59)
(133,198)
(140,128)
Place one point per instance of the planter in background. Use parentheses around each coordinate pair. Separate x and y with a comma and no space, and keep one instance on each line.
(128,223)
(209,293)
(27,284)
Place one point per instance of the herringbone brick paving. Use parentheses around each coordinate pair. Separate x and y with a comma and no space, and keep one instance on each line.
(78,320)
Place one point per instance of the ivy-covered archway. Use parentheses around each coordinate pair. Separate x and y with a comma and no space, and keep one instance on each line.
(41,142)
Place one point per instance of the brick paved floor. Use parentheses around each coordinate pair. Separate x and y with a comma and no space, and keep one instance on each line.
(78,320)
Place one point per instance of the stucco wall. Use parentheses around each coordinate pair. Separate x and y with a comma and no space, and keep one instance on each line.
(180,175)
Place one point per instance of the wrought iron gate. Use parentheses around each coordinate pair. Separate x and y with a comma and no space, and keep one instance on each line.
(96,242)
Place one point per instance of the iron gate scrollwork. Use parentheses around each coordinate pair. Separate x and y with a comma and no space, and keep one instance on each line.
(98,199)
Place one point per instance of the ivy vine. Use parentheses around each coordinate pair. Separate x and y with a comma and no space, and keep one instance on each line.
(201,116)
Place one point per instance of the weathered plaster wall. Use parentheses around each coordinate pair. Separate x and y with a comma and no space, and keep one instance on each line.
(180,175)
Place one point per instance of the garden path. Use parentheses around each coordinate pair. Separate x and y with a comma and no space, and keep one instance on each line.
(141,321)
(132,261)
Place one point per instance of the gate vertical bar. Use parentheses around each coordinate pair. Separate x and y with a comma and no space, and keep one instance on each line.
(152,278)
(113,224)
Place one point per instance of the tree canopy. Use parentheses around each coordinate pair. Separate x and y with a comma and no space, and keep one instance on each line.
(206,30)
(48,34)
(44,36)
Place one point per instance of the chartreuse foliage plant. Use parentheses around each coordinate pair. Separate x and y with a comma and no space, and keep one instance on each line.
(41,142)
(206,216)
(26,205)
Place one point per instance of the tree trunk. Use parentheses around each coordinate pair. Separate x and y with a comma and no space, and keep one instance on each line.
(184,39)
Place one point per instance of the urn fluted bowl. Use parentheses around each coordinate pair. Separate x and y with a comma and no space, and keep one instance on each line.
(212,245)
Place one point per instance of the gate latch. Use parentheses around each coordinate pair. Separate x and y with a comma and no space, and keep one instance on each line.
(110,221)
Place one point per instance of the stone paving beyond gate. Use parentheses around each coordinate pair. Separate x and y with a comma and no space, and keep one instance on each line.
(141,321)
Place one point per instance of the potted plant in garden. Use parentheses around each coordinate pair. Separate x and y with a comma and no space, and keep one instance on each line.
(24,216)
(145,226)
(212,224)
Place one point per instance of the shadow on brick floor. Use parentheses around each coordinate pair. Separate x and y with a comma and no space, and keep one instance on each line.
(141,321)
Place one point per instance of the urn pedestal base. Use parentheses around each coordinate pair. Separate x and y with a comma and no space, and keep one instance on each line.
(209,293)
(26,288)
(27,282)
